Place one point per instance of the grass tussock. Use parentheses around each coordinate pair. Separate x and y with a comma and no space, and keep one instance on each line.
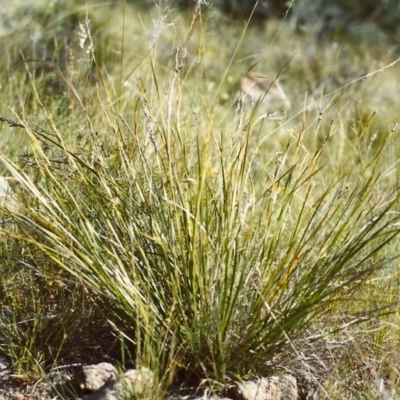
(164,222)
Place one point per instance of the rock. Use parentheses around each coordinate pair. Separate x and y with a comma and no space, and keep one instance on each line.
(273,388)
(260,88)
(138,380)
(204,396)
(134,382)
(213,397)
(5,367)
(5,363)
(93,377)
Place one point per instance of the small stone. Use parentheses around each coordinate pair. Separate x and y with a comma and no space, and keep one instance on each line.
(273,388)
(135,382)
(5,367)
(204,396)
(93,377)
(138,381)
(5,363)
(216,398)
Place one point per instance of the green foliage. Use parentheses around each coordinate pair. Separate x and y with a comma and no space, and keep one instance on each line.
(205,271)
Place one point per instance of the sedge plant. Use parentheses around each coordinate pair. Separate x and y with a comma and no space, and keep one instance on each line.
(206,258)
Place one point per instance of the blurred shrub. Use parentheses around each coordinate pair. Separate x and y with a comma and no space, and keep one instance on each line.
(235,8)
(325,16)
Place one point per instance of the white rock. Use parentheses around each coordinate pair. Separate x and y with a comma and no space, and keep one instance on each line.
(135,383)
(273,388)
(95,376)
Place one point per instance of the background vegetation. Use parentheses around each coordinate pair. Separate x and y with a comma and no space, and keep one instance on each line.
(158,219)
(331,16)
